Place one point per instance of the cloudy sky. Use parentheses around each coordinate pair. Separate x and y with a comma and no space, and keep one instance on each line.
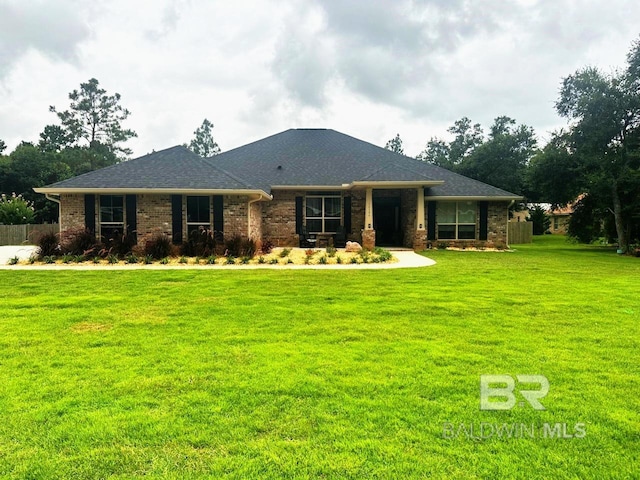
(370,69)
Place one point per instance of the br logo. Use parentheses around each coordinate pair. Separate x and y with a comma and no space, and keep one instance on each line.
(497,391)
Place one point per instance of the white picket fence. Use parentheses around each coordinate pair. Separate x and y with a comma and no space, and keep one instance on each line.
(24,234)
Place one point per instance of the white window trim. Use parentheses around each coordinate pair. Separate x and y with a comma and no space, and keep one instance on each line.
(209,225)
(112,224)
(457,224)
(323,217)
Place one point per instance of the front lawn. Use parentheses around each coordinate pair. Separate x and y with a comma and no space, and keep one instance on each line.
(322,374)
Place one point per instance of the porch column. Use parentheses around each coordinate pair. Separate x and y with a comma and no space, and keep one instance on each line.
(368,234)
(420,236)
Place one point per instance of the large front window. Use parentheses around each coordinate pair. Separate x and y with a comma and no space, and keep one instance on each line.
(111,216)
(198,214)
(323,213)
(456,220)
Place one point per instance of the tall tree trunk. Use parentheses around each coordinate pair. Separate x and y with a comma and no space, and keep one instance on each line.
(617,215)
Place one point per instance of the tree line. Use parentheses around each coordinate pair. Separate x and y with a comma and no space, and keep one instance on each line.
(594,161)
(90,135)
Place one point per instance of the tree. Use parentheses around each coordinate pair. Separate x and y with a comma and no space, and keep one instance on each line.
(95,117)
(54,138)
(3,146)
(603,137)
(28,167)
(467,137)
(15,210)
(395,145)
(203,143)
(503,158)
(540,219)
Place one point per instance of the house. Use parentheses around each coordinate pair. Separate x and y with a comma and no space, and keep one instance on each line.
(559,218)
(314,180)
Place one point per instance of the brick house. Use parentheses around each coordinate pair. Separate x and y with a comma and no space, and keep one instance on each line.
(311,181)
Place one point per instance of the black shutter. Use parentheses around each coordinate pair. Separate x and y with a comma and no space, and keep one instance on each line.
(347,215)
(484,220)
(90,213)
(299,215)
(431,220)
(176,219)
(132,217)
(218,214)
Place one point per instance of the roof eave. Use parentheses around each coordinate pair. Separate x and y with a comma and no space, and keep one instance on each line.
(505,198)
(397,183)
(150,191)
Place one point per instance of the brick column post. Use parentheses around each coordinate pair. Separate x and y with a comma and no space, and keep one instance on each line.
(368,233)
(420,236)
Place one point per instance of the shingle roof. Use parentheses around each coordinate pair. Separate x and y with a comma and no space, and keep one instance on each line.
(173,168)
(296,157)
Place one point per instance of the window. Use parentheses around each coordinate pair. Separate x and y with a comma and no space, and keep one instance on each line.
(323,212)
(456,220)
(556,223)
(111,216)
(198,214)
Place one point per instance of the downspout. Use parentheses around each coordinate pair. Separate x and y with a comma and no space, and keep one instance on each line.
(251,202)
(508,207)
(57,200)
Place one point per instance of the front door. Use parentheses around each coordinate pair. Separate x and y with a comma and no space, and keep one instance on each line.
(386,221)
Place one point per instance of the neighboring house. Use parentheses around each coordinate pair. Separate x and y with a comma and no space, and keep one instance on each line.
(316,181)
(560,219)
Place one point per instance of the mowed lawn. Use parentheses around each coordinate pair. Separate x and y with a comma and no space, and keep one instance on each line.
(322,374)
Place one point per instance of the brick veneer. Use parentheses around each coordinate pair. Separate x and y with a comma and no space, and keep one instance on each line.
(71,211)
(275,220)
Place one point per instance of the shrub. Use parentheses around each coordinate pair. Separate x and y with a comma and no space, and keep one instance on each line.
(131,258)
(245,260)
(285,252)
(15,210)
(158,247)
(78,258)
(273,261)
(96,260)
(148,259)
(261,259)
(267,246)
(233,246)
(230,260)
(289,261)
(14,260)
(118,243)
(211,259)
(383,254)
(201,243)
(49,259)
(323,260)
(48,245)
(67,258)
(78,241)
(112,259)
(164,261)
(331,251)
(183,260)
(338,259)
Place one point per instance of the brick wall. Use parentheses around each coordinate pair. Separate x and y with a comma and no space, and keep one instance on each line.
(154,216)
(71,211)
(236,216)
(279,218)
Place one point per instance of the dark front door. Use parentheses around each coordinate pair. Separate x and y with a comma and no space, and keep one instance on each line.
(386,221)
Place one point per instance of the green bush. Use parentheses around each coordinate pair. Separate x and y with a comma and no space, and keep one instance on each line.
(158,247)
(15,210)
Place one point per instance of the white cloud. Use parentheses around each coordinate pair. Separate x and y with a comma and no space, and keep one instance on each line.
(370,69)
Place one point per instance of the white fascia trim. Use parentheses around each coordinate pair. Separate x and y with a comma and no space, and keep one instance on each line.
(470,197)
(310,187)
(397,184)
(145,191)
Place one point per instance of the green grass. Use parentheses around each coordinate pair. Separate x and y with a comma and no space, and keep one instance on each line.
(320,374)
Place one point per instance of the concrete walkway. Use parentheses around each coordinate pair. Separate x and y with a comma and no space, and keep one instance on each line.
(406,259)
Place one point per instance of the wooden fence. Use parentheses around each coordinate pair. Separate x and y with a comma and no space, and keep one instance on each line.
(24,234)
(520,232)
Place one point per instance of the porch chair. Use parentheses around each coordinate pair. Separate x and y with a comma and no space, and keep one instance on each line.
(340,238)
(306,241)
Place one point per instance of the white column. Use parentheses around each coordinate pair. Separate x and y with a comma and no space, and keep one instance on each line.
(368,210)
(420,210)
